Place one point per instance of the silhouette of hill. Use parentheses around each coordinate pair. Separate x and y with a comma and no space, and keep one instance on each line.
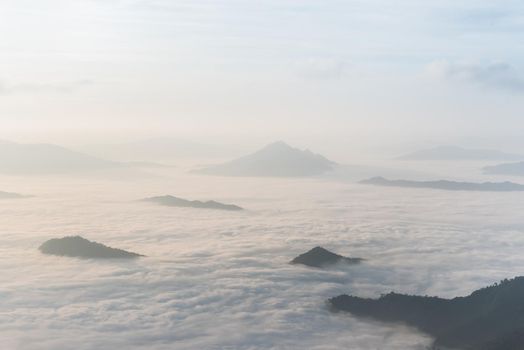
(489,318)
(144,164)
(16,158)
(320,257)
(277,159)
(76,246)
(459,153)
(447,185)
(11,195)
(513,169)
(172,201)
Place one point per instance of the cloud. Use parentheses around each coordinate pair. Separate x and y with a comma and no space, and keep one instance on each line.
(501,76)
(215,281)
(323,68)
(51,87)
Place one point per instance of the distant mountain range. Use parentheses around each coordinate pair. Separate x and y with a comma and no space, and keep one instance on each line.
(320,257)
(161,149)
(512,169)
(277,159)
(172,201)
(459,153)
(16,158)
(145,164)
(491,318)
(447,185)
(76,246)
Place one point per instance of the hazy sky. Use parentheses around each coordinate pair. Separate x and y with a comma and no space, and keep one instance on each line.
(433,71)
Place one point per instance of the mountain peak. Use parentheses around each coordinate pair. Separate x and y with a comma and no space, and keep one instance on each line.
(320,257)
(278,144)
(275,159)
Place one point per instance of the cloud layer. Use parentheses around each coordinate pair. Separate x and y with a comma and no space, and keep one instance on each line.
(44,87)
(500,75)
(215,280)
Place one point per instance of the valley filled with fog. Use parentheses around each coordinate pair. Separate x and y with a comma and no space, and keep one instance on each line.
(261,175)
(214,279)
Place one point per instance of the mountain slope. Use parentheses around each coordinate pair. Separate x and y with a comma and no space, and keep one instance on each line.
(76,246)
(320,257)
(18,158)
(487,317)
(10,195)
(277,159)
(447,185)
(172,201)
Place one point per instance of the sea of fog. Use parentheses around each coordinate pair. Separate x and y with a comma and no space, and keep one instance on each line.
(221,280)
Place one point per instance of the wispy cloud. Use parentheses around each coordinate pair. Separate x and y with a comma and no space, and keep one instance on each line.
(499,75)
(44,87)
(324,68)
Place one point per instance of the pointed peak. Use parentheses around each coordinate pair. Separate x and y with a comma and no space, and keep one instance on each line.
(319,249)
(320,257)
(278,145)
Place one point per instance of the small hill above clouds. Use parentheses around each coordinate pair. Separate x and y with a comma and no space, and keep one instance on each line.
(76,246)
(320,257)
(275,160)
(447,185)
(172,201)
(459,153)
(488,319)
(11,195)
(22,159)
(512,169)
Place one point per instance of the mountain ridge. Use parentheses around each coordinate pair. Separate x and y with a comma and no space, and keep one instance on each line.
(79,247)
(488,316)
(506,186)
(45,158)
(276,159)
(459,153)
(172,201)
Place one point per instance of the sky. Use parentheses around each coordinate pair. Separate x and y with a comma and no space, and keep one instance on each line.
(371,72)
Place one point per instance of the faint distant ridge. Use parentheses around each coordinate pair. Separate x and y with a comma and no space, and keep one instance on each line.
(275,160)
(25,159)
(145,164)
(490,318)
(161,149)
(172,201)
(512,169)
(459,153)
(447,185)
(320,257)
(76,246)
(11,195)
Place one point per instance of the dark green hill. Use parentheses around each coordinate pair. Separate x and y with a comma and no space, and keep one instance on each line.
(172,201)
(76,246)
(489,318)
(320,257)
